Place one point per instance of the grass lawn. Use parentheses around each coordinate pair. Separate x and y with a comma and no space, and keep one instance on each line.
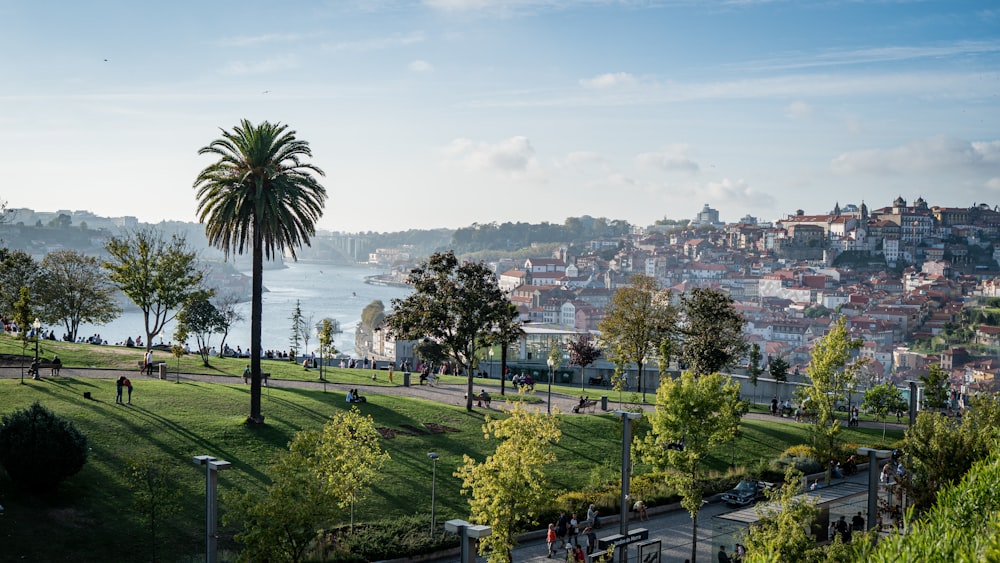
(91,515)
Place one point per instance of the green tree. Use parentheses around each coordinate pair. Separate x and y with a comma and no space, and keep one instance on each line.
(299,327)
(831,375)
(17,269)
(75,291)
(23,318)
(507,331)
(39,449)
(754,369)
(583,352)
(326,344)
(778,368)
(636,320)
(200,318)
(883,399)
(509,487)
(259,197)
(781,532)
(711,331)
(454,304)
(155,494)
(154,273)
(701,413)
(936,389)
(228,307)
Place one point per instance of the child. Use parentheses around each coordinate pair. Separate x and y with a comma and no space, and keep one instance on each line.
(550,539)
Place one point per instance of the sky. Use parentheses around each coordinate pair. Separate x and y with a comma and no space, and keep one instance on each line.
(444,113)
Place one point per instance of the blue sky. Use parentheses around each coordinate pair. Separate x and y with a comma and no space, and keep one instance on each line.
(442,113)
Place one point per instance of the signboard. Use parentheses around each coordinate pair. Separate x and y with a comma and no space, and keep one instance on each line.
(649,552)
(637,535)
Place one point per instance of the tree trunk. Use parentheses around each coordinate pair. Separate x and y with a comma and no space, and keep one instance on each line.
(694,538)
(468,386)
(639,383)
(255,325)
(503,367)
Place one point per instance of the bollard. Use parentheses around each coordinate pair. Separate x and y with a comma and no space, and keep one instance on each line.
(163,370)
(406,379)
(604,402)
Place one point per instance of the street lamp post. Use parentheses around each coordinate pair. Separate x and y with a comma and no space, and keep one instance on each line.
(212,468)
(434,476)
(491,362)
(37,325)
(627,418)
(548,402)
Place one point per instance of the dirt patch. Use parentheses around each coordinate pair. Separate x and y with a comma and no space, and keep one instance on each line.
(387,433)
(439,428)
(410,429)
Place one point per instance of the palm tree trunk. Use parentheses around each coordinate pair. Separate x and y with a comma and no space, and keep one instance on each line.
(255,325)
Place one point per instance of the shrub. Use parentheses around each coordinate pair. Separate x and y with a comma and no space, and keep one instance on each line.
(39,449)
(385,539)
(800,457)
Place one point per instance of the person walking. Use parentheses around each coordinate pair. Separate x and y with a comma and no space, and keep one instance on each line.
(550,539)
(128,385)
(119,385)
(148,363)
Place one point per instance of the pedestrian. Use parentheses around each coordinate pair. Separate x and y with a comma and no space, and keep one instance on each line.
(858,522)
(148,363)
(246,374)
(723,556)
(119,385)
(573,529)
(591,536)
(593,517)
(562,525)
(640,509)
(390,371)
(128,385)
(740,553)
(550,539)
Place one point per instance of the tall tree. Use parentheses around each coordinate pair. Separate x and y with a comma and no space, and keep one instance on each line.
(636,320)
(298,328)
(583,352)
(75,291)
(259,197)
(201,318)
(509,487)
(454,304)
(936,389)
(154,273)
(831,374)
(506,332)
(883,399)
(17,269)
(228,307)
(711,331)
(754,369)
(701,413)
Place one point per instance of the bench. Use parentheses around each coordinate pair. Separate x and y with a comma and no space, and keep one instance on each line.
(589,406)
(480,399)
(53,367)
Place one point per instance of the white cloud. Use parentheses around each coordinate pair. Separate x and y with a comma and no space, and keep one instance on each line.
(609,80)
(265,66)
(798,110)
(936,154)
(993,184)
(250,40)
(736,193)
(420,66)
(582,161)
(672,158)
(514,157)
(379,43)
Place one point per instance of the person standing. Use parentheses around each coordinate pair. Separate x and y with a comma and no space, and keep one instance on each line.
(723,556)
(574,529)
(148,363)
(550,539)
(593,516)
(562,523)
(246,374)
(128,385)
(119,385)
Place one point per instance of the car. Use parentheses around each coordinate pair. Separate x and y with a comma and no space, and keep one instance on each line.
(747,492)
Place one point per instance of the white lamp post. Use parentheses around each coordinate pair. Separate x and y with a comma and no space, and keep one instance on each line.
(212,468)
(627,418)
(548,405)
(37,325)
(491,362)
(434,476)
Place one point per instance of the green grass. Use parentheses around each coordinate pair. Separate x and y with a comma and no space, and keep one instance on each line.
(91,517)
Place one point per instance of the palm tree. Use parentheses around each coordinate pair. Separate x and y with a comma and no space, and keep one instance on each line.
(261,197)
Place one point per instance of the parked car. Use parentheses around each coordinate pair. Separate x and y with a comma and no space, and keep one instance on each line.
(748,491)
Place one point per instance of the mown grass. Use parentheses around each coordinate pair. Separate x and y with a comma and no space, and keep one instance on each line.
(90,517)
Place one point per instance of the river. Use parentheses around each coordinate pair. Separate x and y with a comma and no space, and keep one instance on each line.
(324,290)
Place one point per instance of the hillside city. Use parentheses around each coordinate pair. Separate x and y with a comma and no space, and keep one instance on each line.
(904,275)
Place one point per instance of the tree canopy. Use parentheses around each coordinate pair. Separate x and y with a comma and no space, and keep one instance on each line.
(75,291)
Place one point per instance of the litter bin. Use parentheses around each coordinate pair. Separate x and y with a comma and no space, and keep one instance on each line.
(604,402)
(406,379)
(163,370)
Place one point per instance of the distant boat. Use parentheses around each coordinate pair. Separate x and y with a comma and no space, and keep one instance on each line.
(353,294)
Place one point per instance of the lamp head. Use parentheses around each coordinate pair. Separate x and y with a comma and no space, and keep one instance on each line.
(37,324)
(433,455)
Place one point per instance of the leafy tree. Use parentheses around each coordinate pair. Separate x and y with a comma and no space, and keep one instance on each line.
(831,376)
(326,344)
(778,368)
(711,331)
(154,273)
(882,400)
(701,413)
(23,314)
(429,351)
(754,369)
(259,197)
(636,320)
(781,532)
(583,352)
(17,269)
(228,307)
(456,305)
(508,488)
(506,332)
(155,494)
(39,449)
(322,474)
(201,318)
(75,290)
(935,388)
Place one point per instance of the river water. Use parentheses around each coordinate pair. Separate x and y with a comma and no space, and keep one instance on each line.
(323,290)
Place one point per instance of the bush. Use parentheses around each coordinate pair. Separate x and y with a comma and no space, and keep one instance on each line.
(386,539)
(800,457)
(39,449)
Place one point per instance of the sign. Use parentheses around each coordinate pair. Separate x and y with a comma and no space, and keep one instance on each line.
(637,535)
(649,552)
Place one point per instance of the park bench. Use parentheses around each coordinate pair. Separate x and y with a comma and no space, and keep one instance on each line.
(588,406)
(480,399)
